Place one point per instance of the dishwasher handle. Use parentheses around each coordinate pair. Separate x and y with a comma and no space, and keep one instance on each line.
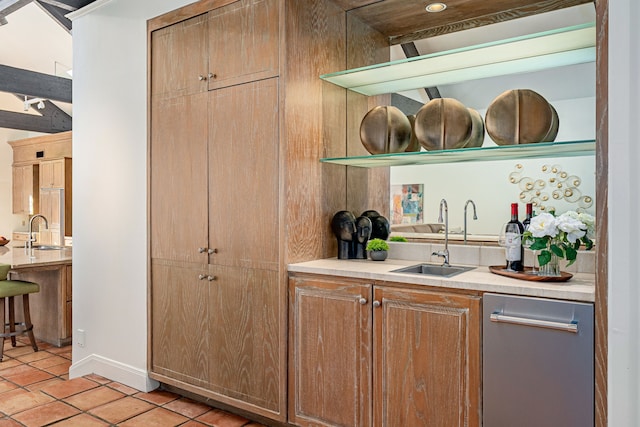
(501,318)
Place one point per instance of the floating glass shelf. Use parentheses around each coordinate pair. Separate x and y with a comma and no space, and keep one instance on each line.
(534,52)
(478,154)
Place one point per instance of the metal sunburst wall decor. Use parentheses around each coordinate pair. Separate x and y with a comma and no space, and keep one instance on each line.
(557,185)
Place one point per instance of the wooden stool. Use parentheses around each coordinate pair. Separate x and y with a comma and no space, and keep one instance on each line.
(8,290)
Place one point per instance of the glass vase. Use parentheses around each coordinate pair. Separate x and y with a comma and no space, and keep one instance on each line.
(552,268)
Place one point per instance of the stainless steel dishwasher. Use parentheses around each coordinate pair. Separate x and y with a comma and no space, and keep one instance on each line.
(538,359)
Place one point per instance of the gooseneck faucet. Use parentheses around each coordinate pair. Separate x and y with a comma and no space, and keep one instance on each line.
(475,217)
(30,238)
(445,253)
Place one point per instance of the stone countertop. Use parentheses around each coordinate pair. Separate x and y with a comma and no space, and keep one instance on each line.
(18,258)
(581,287)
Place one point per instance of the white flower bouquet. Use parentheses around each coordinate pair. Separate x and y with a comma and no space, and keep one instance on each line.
(561,235)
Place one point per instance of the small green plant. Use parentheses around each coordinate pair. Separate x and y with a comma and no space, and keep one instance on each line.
(397,239)
(377,245)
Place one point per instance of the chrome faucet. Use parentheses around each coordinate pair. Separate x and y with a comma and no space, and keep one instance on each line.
(445,253)
(475,217)
(30,238)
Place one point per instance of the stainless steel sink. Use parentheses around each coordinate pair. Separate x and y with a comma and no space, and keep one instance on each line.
(433,270)
(43,247)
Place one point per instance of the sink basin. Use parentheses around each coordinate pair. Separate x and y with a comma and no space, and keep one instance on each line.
(43,247)
(433,270)
(48,248)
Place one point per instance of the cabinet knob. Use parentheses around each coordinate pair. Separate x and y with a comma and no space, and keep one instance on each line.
(213,251)
(362,301)
(212,76)
(211,278)
(201,77)
(202,276)
(377,303)
(202,250)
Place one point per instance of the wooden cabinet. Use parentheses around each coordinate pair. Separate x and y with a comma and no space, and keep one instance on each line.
(367,355)
(55,173)
(217,305)
(248,27)
(330,353)
(236,132)
(55,195)
(25,189)
(234,43)
(202,228)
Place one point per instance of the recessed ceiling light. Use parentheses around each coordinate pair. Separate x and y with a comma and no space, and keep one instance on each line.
(436,7)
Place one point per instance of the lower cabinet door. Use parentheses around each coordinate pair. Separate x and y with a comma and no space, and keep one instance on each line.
(180,322)
(246,357)
(427,359)
(330,353)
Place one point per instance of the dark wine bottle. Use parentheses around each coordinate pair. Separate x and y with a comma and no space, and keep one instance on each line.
(514,250)
(528,216)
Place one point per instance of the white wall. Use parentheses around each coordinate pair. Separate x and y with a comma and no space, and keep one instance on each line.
(110,181)
(624,205)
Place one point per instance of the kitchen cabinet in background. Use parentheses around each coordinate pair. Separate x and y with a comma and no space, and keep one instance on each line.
(55,200)
(55,173)
(42,183)
(25,189)
(369,355)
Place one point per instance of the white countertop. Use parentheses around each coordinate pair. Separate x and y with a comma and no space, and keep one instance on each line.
(581,287)
(18,258)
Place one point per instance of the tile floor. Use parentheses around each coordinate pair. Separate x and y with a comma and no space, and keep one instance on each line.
(35,390)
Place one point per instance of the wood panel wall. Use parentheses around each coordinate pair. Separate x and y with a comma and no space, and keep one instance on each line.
(602,208)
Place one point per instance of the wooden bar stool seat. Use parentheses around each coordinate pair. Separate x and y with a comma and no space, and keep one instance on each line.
(9,289)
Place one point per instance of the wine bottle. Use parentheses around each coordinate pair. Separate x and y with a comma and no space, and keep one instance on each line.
(528,216)
(514,250)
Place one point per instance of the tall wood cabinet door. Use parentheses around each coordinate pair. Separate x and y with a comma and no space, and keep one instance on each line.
(330,353)
(179,58)
(180,322)
(244,220)
(246,337)
(178,158)
(427,358)
(25,194)
(243,42)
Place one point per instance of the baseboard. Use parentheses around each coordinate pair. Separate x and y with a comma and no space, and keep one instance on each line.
(115,371)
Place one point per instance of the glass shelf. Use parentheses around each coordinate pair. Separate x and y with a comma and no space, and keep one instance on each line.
(478,154)
(534,52)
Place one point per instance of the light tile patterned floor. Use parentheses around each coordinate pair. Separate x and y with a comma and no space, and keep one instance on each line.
(35,390)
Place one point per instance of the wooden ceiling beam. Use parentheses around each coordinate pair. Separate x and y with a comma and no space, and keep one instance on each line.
(31,83)
(55,121)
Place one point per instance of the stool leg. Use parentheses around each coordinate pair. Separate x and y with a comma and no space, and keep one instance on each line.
(27,321)
(12,320)
(4,326)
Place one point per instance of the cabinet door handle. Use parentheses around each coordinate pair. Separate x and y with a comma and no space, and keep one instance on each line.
(362,301)
(377,303)
(213,251)
(212,76)
(202,276)
(202,250)
(201,77)
(525,321)
(211,278)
